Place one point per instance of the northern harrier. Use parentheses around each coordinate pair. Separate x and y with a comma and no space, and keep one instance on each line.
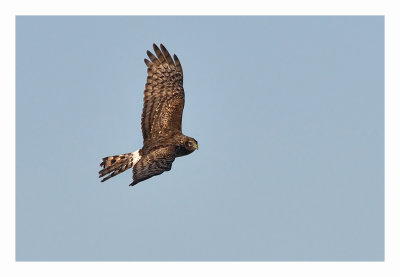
(163,140)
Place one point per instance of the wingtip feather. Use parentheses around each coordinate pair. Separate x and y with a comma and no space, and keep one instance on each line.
(147,62)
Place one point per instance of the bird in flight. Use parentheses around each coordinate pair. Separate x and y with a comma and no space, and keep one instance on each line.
(163,141)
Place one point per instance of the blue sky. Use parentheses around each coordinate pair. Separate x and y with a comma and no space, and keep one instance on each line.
(288,113)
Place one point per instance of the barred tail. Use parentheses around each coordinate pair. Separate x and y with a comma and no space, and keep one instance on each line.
(117,164)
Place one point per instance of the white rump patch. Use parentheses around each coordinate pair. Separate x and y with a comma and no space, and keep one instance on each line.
(135,157)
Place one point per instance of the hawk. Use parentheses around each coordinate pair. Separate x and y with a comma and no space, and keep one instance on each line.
(163,141)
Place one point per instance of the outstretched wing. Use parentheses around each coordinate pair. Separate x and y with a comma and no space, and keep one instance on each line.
(164,97)
(152,164)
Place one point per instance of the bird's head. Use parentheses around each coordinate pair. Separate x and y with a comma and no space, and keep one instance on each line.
(191,144)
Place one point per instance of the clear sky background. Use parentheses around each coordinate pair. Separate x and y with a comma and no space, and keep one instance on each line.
(288,113)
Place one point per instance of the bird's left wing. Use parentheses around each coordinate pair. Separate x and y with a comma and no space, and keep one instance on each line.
(164,97)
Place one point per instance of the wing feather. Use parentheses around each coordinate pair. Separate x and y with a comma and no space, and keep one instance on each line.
(160,55)
(153,58)
(147,62)
(168,57)
(177,64)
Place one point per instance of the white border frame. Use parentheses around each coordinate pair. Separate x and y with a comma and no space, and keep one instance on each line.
(8,265)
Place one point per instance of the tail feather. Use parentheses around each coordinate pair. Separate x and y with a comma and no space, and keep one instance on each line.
(117,164)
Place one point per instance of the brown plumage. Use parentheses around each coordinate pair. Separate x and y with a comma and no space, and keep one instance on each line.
(163,141)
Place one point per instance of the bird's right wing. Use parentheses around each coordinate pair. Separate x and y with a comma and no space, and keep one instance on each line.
(152,164)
